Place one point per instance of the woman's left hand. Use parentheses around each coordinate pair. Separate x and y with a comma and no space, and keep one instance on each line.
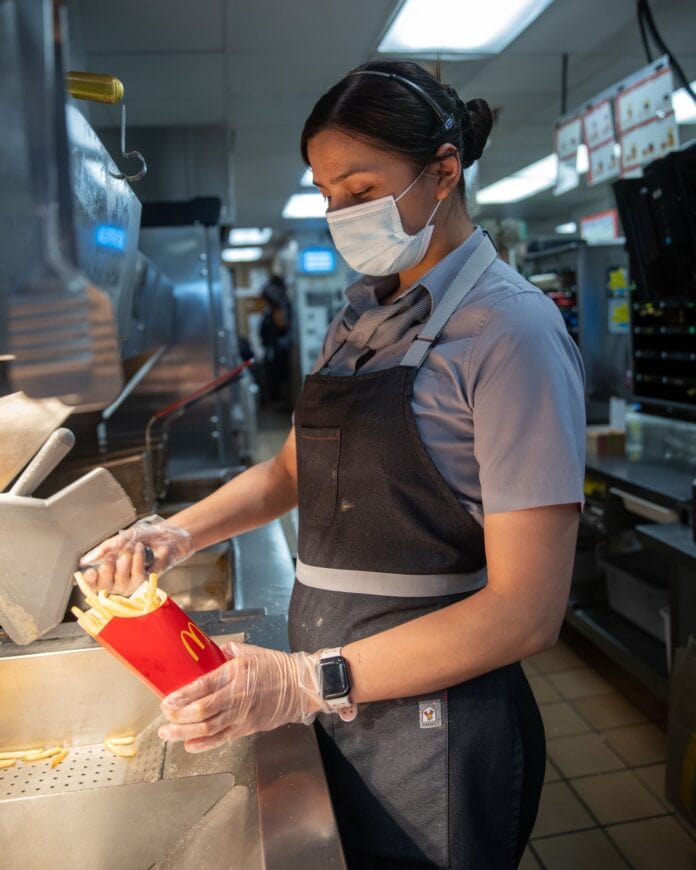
(257,689)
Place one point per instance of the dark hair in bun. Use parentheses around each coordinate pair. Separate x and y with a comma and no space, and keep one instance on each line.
(388,112)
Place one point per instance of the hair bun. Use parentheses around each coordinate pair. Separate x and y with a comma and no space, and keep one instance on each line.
(479,129)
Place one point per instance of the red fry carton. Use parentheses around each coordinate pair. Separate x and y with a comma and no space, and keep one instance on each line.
(165,648)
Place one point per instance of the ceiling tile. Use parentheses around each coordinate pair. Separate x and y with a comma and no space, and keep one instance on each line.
(151,25)
(310,26)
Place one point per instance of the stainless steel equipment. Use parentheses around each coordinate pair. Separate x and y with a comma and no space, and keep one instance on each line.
(42,541)
(257,803)
(60,328)
(605,354)
(24,426)
(58,445)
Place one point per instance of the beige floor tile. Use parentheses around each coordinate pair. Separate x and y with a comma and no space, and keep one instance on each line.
(560,811)
(560,658)
(552,773)
(528,862)
(580,851)
(653,775)
(529,668)
(544,692)
(582,754)
(618,797)
(561,720)
(655,844)
(580,683)
(608,711)
(638,744)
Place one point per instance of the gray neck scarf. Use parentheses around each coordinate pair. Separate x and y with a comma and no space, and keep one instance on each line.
(373,327)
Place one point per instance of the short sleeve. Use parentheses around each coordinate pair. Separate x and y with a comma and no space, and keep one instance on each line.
(527,387)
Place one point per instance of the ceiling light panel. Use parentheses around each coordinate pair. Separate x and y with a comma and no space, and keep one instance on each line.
(249,236)
(683,105)
(305,205)
(459,26)
(241,255)
(538,176)
(307,179)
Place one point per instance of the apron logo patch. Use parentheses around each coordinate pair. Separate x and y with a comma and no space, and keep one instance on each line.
(430,714)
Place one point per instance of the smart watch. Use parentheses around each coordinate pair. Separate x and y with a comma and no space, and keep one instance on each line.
(334,683)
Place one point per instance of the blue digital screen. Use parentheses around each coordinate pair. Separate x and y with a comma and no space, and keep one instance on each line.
(111,237)
(317,261)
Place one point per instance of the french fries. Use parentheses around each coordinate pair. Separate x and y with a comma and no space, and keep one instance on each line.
(146,598)
(30,756)
(56,760)
(42,754)
(121,746)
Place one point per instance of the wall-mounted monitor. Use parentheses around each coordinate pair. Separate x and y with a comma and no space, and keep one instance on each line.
(317,261)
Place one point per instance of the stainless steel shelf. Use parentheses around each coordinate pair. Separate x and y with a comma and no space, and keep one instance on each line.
(632,649)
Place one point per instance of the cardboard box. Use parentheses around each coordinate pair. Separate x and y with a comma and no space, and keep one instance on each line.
(604,441)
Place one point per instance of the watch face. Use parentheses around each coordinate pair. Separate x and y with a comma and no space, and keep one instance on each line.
(334,679)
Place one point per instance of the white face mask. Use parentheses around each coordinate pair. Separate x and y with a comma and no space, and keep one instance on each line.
(371,239)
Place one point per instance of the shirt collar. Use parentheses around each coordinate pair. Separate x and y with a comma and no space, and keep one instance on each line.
(367,291)
(439,278)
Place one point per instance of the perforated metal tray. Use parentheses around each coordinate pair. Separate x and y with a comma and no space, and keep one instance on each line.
(86,767)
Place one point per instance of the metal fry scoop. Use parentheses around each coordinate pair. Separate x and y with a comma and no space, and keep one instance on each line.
(41,541)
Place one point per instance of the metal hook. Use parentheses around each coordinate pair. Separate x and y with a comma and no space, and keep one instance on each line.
(129,155)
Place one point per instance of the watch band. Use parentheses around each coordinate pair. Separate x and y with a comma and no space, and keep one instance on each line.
(343,706)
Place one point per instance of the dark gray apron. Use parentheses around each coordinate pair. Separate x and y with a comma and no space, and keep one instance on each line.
(448,779)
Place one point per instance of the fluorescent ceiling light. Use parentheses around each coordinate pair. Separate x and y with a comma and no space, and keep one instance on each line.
(684,107)
(249,236)
(582,162)
(570,227)
(538,176)
(307,179)
(305,205)
(459,26)
(242,255)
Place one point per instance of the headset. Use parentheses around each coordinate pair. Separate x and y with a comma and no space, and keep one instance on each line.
(447,120)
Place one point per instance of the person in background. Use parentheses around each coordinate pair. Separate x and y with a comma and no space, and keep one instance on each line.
(437,459)
(276,338)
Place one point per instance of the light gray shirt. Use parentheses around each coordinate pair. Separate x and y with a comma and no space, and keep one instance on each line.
(499,400)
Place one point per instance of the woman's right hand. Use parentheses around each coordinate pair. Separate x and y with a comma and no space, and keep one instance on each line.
(121,563)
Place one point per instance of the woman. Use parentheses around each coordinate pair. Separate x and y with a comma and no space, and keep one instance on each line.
(437,458)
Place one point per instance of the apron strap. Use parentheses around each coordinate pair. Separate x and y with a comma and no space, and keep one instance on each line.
(391,584)
(483,257)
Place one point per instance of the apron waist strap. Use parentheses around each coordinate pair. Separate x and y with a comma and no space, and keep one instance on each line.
(385,583)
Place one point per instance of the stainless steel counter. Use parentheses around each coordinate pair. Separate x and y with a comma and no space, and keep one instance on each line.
(260,802)
(657,482)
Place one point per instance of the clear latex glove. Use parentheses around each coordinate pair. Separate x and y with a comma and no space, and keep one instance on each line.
(256,690)
(121,563)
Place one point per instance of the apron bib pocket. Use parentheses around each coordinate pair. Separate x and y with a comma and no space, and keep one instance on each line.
(318,473)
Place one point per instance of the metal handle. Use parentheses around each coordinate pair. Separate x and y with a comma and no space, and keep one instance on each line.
(95,87)
(56,447)
(202,392)
(644,508)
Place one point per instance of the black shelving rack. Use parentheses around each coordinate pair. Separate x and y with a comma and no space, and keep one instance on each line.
(663,345)
(658,213)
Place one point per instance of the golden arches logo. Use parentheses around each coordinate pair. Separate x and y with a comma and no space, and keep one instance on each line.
(192,635)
